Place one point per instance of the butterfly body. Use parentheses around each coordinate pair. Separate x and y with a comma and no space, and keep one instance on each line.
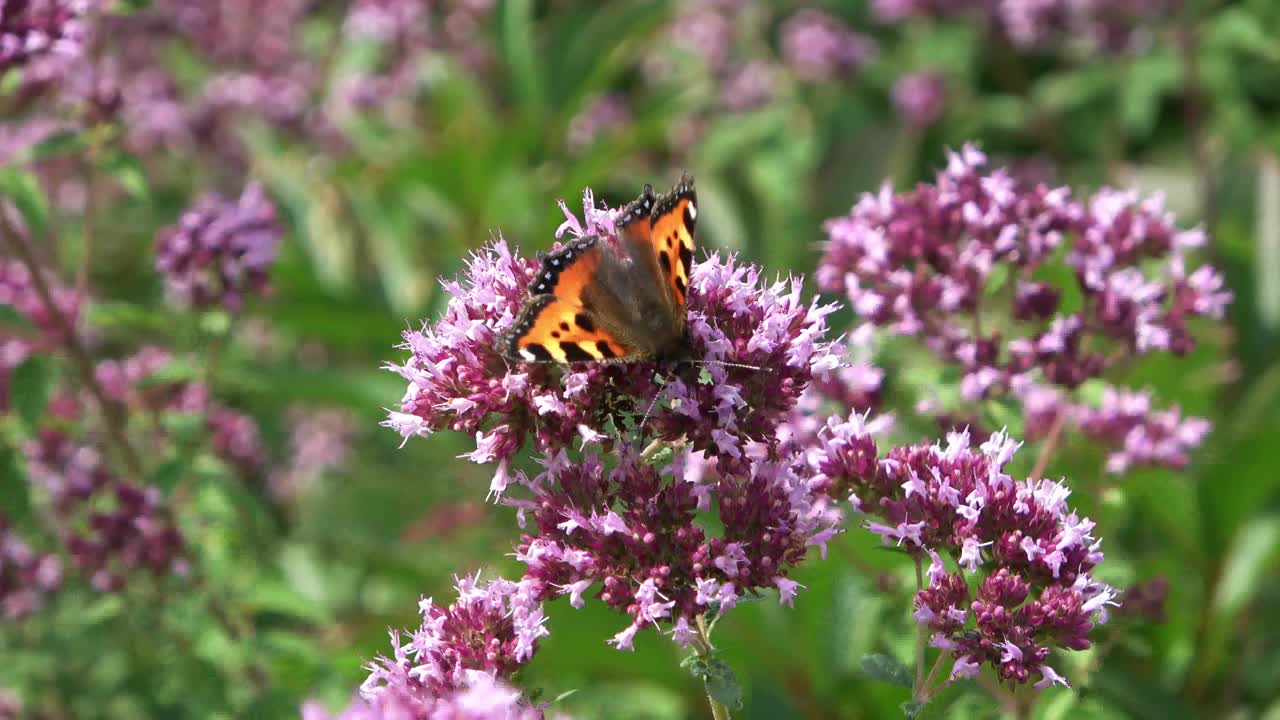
(595,301)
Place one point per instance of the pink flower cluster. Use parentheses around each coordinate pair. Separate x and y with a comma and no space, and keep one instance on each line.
(220,251)
(634,533)
(932,262)
(1029,554)
(459,380)
(456,664)
(17,292)
(26,576)
(819,47)
(1113,26)
(33,28)
(110,527)
(630,528)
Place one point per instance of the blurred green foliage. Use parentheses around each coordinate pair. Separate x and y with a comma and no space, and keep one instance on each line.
(289,599)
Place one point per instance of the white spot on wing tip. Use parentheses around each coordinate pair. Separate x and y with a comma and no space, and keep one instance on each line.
(693,211)
(528,355)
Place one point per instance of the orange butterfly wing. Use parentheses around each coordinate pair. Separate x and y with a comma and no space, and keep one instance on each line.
(673,222)
(553,325)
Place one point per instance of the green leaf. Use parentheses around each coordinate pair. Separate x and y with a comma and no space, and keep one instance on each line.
(128,172)
(886,669)
(168,474)
(215,322)
(720,680)
(15,495)
(277,598)
(1255,551)
(24,190)
(722,684)
(31,384)
(521,56)
(63,142)
(1148,80)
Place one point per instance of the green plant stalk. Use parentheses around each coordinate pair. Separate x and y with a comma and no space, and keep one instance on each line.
(704,648)
(111,412)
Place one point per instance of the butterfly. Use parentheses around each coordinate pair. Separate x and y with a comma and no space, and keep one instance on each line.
(592,301)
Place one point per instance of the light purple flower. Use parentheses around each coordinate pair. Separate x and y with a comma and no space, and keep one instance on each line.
(27,577)
(920,98)
(931,262)
(30,29)
(1031,554)
(657,564)
(1140,434)
(220,251)
(319,443)
(457,663)
(600,116)
(819,47)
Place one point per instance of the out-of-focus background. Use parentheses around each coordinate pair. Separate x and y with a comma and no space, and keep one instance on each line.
(396,136)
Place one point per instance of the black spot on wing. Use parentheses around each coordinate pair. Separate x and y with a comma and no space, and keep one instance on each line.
(584,321)
(605,351)
(574,353)
(686,257)
(665,261)
(539,352)
(680,286)
(510,343)
(564,327)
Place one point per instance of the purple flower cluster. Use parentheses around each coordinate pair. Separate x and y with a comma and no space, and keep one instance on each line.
(892,11)
(459,380)
(931,262)
(398,29)
(220,251)
(1113,26)
(633,531)
(110,527)
(1029,554)
(1125,422)
(631,528)
(600,116)
(920,98)
(319,442)
(18,293)
(1139,434)
(30,29)
(482,698)
(818,47)
(26,576)
(456,664)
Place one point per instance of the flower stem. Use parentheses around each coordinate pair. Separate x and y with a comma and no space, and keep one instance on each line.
(704,648)
(918,691)
(114,418)
(933,673)
(653,449)
(1050,444)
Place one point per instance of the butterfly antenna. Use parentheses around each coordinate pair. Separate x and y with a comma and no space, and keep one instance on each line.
(652,404)
(725,363)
